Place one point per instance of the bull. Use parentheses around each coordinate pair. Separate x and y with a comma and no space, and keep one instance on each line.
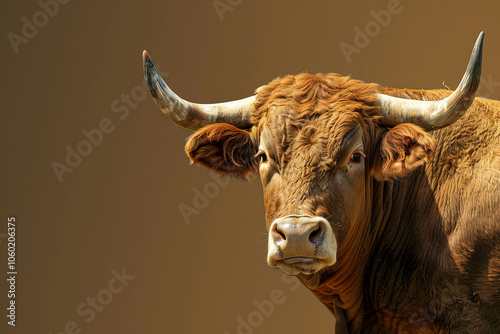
(384,202)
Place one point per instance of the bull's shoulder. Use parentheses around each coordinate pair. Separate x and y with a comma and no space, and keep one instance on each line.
(464,172)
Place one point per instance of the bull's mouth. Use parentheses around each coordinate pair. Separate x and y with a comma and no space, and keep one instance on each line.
(301,265)
(293,260)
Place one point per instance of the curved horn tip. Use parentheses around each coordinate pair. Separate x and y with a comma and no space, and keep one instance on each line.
(470,81)
(481,35)
(478,47)
(146,59)
(150,72)
(477,51)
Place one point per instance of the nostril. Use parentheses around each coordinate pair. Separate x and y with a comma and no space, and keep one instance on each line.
(278,235)
(315,236)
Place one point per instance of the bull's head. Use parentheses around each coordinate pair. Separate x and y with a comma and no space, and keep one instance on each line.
(318,142)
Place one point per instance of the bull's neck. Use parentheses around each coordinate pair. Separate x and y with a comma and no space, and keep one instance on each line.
(372,254)
(410,259)
(341,287)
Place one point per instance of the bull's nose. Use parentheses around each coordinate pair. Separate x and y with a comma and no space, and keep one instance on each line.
(301,244)
(298,236)
(285,232)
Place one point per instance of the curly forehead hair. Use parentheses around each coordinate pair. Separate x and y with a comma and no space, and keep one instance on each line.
(313,95)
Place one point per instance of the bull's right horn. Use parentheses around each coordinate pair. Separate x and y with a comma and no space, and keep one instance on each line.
(193,116)
(433,115)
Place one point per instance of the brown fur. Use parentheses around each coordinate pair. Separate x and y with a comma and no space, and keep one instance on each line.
(420,247)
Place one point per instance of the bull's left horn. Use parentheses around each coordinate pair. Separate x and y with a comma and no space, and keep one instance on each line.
(193,116)
(433,115)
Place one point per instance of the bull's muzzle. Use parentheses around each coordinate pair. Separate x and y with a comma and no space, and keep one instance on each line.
(301,244)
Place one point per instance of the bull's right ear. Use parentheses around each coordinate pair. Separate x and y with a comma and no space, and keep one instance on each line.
(224,149)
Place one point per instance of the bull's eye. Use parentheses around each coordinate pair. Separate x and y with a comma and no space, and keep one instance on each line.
(261,156)
(356,157)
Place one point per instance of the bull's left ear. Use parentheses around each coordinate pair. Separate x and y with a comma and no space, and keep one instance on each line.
(401,150)
(225,149)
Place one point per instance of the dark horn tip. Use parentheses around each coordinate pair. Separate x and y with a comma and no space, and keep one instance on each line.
(479,41)
(146,60)
(149,71)
(477,53)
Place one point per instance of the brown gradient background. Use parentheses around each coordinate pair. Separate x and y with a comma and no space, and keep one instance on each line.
(119,207)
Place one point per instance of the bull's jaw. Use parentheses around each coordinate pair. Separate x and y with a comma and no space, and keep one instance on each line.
(301,245)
